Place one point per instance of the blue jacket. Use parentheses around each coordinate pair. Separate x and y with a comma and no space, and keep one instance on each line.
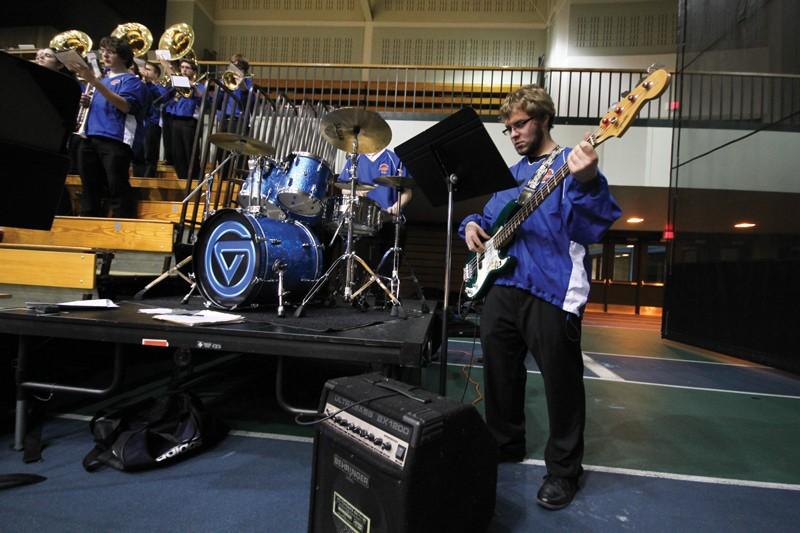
(236,103)
(105,120)
(551,244)
(181,107)
(386,164)
(156,91)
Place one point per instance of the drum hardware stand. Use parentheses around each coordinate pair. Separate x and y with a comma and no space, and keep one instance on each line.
(255,192)
(209,178)
(397,252)
(349,256)
(279,267)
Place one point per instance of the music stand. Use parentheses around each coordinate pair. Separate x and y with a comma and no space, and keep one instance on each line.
(454,160)
(39,110)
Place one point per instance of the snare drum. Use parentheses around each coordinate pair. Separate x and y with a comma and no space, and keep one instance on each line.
(304,185)
(235,256)
(367,217)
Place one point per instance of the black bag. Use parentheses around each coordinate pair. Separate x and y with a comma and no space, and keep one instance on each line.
(152,432)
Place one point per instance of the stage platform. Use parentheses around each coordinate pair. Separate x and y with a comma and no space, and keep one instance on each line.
(338,333)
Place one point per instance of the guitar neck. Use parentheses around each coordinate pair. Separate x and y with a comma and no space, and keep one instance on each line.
(504,236)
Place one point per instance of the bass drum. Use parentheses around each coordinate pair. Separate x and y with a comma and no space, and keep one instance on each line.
(236,254)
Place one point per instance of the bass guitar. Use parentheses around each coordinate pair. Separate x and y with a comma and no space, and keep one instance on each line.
(483,267)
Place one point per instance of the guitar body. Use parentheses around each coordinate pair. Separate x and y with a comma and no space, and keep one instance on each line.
(482,269)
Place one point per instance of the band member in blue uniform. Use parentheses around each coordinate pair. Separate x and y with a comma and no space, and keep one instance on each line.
(537,305)
(105,154)
(184,106)
(236,104)
(369,167)
(152,122)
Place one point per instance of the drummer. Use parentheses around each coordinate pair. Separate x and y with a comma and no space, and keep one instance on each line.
(371,166)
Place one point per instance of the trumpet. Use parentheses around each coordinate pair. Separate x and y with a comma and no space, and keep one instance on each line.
(83,112)
(186,92)
(232,79)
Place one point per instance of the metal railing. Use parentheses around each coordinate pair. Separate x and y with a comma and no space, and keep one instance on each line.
(734,100)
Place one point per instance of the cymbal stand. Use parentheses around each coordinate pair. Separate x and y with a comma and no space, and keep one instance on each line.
(208,179)
(349,256)
(396,251)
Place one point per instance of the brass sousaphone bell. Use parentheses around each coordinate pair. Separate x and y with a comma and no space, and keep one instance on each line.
(178,39)
(135,34)
(72,39)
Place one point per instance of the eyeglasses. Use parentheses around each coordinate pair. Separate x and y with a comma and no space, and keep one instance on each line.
(518,125)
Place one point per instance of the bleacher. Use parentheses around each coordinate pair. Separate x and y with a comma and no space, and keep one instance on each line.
(66,261)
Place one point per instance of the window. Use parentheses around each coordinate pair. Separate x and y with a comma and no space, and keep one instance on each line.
(624,262)
(596,258)
(655,263)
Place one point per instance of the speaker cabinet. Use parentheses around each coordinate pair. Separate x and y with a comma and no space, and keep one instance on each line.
(395,458)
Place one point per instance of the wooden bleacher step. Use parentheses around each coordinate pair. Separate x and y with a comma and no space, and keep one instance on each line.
(47,266)
(153,236)
(164,210)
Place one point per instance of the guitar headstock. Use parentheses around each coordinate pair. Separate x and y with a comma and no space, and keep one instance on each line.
(618,119)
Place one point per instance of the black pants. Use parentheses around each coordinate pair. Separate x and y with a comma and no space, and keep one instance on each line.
(514,322)
(104,165)
(166,121)
(183,130)
(151,146)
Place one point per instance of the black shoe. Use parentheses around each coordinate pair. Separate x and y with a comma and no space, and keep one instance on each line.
(556,492)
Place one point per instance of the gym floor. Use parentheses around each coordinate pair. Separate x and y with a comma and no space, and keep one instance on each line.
(677,438)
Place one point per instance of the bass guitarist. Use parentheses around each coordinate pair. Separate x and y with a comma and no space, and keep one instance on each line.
(536,305)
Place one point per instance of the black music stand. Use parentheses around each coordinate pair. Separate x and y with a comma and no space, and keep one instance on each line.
(39,110)
(454,160)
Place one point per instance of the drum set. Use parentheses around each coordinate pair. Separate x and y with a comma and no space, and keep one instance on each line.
(267,252)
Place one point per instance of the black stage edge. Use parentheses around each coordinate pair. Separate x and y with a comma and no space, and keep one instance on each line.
(335,333)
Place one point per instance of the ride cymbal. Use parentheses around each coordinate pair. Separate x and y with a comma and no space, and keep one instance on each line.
(343,126)
(241,144)
(398,182)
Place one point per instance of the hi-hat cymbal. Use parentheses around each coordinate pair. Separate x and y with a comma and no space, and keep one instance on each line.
(342,126)
(398,182)
(241,144)
(345,186)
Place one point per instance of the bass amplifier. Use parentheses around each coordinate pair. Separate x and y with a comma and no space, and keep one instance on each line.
(395,458)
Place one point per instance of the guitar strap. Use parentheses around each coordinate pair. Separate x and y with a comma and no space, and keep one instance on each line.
(533,183)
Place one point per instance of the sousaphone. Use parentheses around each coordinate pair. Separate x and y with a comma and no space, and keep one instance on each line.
(72,39)
(135,34)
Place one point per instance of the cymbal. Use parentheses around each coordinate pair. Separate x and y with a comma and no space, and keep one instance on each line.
(342,126)
(398,182)
(345,186)
(241,144)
